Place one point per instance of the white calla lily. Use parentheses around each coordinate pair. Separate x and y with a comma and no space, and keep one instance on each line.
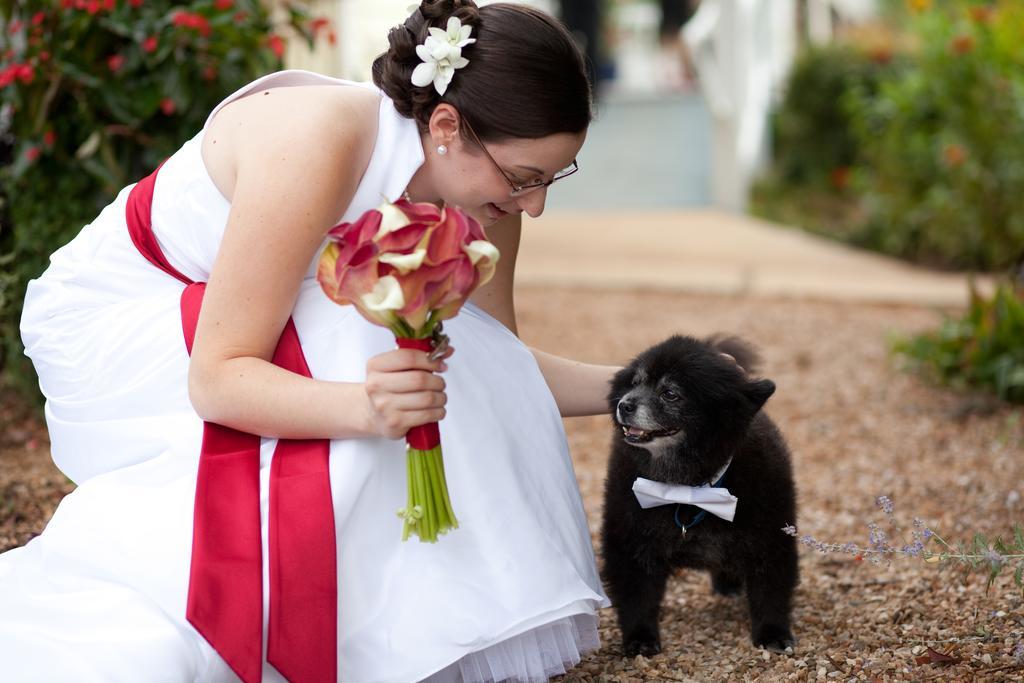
(391,218)
(405,263)
(386,295)
(481,249)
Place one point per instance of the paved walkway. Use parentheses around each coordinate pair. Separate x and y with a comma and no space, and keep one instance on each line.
(706,250)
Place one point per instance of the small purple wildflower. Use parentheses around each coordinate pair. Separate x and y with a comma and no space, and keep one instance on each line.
(913,550)
(885,503)
(789,530)
(1018,652)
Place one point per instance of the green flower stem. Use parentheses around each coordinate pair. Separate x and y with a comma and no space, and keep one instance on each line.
(428,495)
(426,532)
(429,512)
(442,485)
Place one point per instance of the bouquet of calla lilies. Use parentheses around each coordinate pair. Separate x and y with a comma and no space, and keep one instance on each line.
(408,266)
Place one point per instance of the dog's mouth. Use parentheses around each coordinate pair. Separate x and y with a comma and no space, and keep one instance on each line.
(637,435)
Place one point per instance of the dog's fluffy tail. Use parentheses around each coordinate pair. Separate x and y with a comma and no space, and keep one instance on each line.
(745,354)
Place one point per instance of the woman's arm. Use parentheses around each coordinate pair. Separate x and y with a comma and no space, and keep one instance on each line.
(579,388)
(294,158)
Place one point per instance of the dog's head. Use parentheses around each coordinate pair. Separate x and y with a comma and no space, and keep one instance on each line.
(689,398)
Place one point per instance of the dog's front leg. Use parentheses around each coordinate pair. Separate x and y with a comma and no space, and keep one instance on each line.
(636,589)
(770,586)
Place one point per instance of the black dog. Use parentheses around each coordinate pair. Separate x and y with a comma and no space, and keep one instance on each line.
(683,412)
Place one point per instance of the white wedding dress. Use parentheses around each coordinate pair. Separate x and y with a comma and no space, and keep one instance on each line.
(100,595)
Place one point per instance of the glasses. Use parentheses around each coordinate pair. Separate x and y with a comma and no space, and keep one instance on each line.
(517,189)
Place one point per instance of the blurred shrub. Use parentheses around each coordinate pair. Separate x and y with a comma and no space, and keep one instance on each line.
(941,172)
(813,139)
(915,150)
(983,349)
(813,132)
(94,94)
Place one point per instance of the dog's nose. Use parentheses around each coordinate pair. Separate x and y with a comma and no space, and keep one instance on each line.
(627,405)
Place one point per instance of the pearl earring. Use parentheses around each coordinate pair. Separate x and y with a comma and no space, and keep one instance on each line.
(442,150)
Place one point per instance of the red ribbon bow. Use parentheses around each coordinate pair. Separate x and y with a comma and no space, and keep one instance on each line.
(225,590)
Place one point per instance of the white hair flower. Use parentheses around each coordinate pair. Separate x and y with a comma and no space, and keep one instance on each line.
(441,53)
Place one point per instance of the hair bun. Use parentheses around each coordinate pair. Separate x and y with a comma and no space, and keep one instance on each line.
(525,78)
(392,71)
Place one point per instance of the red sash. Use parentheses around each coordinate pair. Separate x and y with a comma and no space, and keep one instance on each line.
(225,590)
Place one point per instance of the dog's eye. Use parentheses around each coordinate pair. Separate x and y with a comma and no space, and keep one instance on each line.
(669,395)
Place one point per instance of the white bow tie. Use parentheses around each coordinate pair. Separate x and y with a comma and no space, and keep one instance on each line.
(717,501)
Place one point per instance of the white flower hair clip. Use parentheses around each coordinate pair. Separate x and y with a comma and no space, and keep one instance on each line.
(441,53)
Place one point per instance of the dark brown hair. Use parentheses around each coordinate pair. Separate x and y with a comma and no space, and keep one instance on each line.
(525,78)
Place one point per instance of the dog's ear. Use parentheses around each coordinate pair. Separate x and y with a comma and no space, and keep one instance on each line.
(745,355)
(759,391)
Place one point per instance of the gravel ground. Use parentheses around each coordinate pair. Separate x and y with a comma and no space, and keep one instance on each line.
(858,428)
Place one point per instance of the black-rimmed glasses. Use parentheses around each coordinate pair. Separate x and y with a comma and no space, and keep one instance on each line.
(519,190)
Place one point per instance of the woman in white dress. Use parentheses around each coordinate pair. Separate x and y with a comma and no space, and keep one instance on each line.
(114,589)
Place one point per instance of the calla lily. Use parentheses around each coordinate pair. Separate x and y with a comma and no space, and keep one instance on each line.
(404,263)
(484,256)
(392,218)
(386,295)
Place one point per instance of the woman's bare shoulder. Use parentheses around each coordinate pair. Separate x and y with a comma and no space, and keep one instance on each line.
(317,118)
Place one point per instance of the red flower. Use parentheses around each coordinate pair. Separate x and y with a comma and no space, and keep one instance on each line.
(109,5)
(241,17)
(26,74)
(44,56)
(93,6)
(881,54)
(319,24)
(167,106)
(194,21)
(32,153)
(115,62)
(38,18)
(276,44)
(67,4)
(840,177)
(981,14)
(210,73)
(135,3)
(954,155)
(961,45)
(15,27)
(149,44)
(7,76)
(224,5)
(49,137)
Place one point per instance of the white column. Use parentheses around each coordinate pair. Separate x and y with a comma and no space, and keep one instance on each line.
(739,54)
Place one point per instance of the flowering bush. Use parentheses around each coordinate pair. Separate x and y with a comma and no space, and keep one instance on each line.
(813,141)
(942,142)
(93,95)
(919,155)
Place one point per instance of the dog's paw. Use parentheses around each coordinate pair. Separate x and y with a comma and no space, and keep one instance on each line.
(645,646)
(775,638)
